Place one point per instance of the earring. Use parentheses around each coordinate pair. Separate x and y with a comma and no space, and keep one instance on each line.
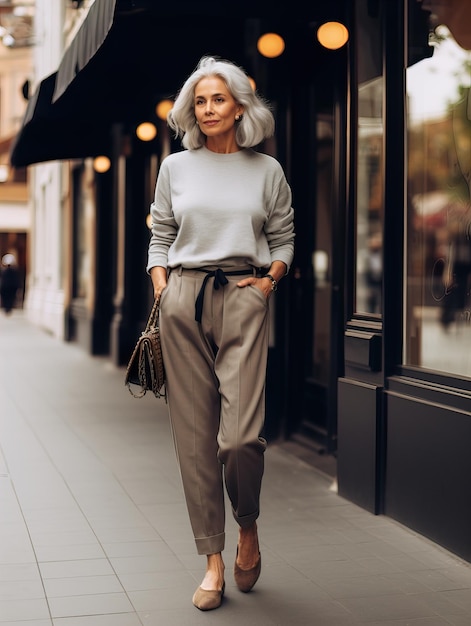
(237,118)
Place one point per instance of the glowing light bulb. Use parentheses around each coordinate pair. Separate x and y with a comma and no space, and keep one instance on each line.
(332,35)
(271,45)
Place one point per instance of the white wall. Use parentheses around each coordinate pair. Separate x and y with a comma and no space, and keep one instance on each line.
(14,217)
(48,284)
(44,301)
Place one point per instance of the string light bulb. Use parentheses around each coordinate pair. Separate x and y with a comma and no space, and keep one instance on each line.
(101,164)
(146,131)
(162,109)
(332,35)
(271,45)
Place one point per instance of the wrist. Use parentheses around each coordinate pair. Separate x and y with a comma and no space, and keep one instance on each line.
(274,283)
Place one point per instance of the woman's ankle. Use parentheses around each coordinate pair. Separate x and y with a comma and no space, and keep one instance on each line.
(248,547)
(214,576)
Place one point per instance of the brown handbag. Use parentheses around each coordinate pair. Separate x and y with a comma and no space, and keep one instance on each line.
(146,367)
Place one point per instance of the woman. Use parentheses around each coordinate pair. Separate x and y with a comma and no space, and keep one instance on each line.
(222,238)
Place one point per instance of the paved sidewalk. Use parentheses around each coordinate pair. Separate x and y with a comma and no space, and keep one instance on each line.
(94,531)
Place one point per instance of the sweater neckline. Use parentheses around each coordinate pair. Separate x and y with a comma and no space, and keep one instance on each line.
(226,156)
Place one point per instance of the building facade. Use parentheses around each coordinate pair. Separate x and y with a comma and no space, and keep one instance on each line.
(16,45)
(404,396)
(369,350)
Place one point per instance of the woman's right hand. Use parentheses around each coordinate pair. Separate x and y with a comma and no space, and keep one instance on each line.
(159,280)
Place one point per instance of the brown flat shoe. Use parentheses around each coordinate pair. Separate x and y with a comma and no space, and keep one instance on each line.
(246,578)
(207,600)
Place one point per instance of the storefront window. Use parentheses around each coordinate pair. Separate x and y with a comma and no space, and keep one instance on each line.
(438,303)
(83,231)
(369,194)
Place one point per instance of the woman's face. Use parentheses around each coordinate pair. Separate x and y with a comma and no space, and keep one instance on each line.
(215,107)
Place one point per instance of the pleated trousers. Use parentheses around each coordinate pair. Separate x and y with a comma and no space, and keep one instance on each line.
(216,372)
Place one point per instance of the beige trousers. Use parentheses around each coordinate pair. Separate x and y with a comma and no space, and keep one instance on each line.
(216,373)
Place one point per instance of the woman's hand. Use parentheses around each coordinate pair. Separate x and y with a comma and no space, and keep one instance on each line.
(264,284)
(159,280)
(277,270)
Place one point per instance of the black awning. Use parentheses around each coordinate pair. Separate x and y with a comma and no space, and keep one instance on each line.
(48,133)
(38,106)
(85,45)
(105,77)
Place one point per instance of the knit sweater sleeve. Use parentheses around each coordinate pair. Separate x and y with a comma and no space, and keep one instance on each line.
(279,227)
(164,226)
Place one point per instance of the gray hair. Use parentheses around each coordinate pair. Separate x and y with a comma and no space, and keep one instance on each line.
(257,122)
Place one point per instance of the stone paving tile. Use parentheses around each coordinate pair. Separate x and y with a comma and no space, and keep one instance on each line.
(81,586)
(41,622)
(23,609)
(458,620)
(426,621)
(70,569)
(112,619)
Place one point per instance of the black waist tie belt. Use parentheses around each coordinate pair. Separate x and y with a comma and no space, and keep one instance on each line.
(219,281)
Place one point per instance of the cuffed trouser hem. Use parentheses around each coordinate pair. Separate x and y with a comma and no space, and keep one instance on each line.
(247,520)
(210,545)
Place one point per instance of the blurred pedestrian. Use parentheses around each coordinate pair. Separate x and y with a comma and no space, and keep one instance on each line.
(374,273)
(9,283)
(222,238)
(457,271)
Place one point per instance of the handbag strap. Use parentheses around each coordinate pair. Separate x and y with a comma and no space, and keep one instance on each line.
(153,316)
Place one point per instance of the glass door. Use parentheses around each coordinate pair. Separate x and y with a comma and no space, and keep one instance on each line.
(318,410)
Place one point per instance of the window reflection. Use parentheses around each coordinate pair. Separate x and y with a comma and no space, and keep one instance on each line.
(83,230)
(370,198)
(438,315)
(369,194)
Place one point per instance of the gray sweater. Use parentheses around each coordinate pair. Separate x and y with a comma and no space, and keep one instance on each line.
(221,209)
